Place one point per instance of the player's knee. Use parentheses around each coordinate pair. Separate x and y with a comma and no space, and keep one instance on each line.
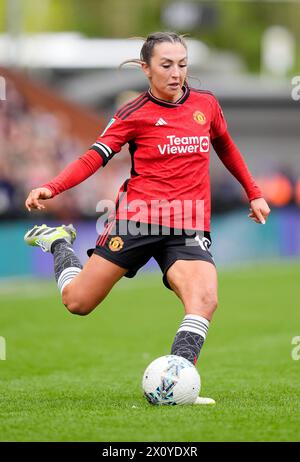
(75,303)
(78,308)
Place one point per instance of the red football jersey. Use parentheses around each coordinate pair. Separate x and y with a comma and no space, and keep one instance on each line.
(169,145)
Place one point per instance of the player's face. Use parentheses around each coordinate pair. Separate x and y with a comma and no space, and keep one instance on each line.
(167,71)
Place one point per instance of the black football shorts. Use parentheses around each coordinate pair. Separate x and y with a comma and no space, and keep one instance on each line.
(132,248)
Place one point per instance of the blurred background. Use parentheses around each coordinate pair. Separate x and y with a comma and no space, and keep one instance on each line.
(60,84)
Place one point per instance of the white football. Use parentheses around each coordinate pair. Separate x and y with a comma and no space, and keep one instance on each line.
(171,380)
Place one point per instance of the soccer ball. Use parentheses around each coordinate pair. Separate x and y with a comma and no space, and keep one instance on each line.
(171,380)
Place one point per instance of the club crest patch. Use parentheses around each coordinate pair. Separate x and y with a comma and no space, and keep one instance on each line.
(199,117)
(116,243)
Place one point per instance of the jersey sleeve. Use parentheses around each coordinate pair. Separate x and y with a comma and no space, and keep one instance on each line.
(75,173)
(233,160)
(218,124)
(117,133)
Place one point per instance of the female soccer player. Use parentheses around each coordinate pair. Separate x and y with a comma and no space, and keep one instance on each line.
(164,205)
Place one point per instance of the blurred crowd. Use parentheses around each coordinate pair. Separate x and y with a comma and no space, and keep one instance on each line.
(36,145)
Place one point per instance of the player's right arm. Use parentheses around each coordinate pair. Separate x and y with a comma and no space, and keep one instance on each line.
(72,175)
(34,197)
(117,133)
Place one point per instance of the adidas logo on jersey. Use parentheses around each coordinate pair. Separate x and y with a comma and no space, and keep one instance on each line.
(161,122)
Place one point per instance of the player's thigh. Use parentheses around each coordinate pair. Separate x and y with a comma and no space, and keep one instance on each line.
(93,283)
(195,282)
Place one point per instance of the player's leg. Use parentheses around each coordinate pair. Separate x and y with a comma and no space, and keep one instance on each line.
(88,286)
(195,283)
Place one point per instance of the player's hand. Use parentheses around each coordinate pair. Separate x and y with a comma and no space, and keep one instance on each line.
(33,199)
(259,210)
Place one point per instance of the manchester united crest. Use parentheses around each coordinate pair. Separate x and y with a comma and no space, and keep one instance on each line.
(199,117)
(116,244)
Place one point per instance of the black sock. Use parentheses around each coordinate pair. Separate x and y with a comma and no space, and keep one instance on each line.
(66,264)
(190,337)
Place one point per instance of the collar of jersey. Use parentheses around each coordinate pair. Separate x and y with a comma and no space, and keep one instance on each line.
(162,102)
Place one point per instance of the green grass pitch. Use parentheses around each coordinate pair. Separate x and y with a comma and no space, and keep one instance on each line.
(68,378)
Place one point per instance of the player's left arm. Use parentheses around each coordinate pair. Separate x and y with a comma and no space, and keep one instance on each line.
(259,210)
(233,160)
